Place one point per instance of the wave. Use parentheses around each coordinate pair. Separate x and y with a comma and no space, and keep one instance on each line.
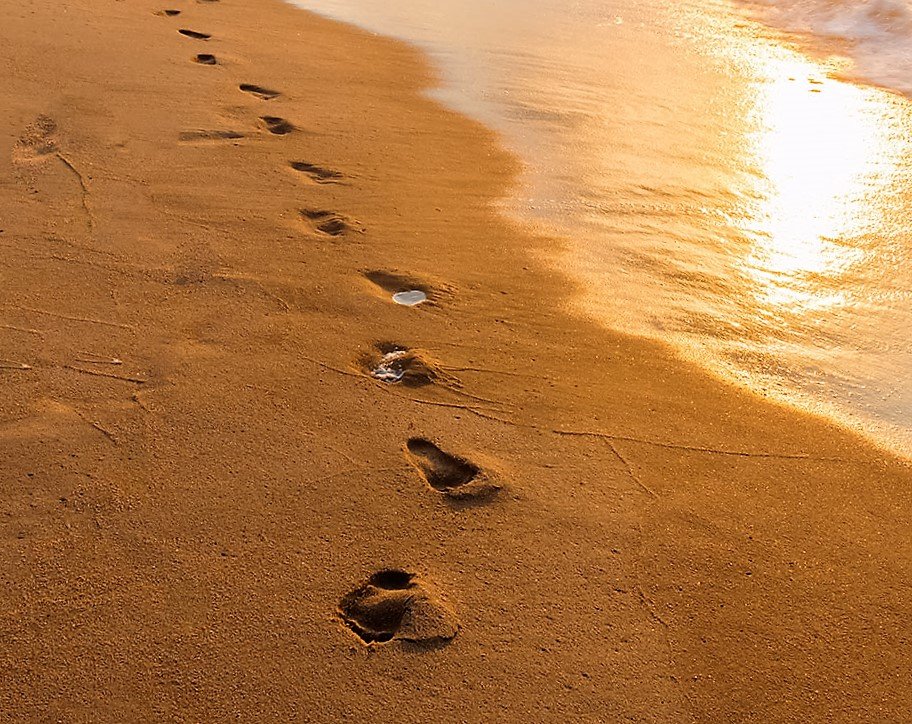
(875,34)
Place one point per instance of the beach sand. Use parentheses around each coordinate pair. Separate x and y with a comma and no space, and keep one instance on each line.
(200,475)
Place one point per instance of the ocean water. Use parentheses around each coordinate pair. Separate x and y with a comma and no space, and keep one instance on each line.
(875,34)
(732,178)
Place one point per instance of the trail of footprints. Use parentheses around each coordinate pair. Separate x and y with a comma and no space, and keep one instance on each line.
(392,604)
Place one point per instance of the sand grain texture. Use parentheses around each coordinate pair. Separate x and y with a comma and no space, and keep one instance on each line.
(196,469)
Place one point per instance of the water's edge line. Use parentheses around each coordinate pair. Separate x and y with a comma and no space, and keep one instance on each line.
(509,210)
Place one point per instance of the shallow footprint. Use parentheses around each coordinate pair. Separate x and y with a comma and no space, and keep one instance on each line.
(210,135)
(169,13)
(276,125)
(327,222)
(258,91)
(394,604)
(194,34)
(317,173)
(453,476)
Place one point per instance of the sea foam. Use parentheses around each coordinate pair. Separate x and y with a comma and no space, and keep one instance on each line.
(875,34)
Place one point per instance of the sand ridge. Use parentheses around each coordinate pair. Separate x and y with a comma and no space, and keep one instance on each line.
(208,494)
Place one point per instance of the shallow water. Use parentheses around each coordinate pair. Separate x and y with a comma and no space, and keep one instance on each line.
(390,368)
(410,298)
(722,185)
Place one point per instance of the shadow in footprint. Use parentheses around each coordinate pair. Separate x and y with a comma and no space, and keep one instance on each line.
(258,91)
(276,125)
(327,222)
(205,59)
(394,605)
(169,13)
(318,174)
(453,476)
(194,34)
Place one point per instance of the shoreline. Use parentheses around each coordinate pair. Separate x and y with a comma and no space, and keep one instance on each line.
(805,378)
(200,469)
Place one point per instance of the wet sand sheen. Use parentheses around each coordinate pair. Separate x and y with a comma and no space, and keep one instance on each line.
(754,220)
(207,487)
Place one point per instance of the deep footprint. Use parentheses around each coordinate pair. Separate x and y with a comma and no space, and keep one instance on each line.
(453,476)
(169,13)
(194,34)
(205,59)
(276,125)
(326,222)
(393,604)
(260,92)
(442,470)
(316,173)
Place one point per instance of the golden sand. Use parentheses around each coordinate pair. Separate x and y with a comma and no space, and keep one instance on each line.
(206,496)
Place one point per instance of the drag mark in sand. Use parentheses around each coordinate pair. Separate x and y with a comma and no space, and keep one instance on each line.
(97,359)
(394,604)
(24,330)
(108,375)
(85,320)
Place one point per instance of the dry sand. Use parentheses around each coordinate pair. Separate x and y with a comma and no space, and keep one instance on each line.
(197,472)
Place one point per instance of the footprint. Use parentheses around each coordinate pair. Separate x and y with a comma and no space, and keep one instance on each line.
(394,364)
(260,92)
(194,34)
(210,135)
(403,289)
(453,476)
(38,141)
(169,13)
(394,604)
(317,174)
(205,59)
(276,125)
(327,222)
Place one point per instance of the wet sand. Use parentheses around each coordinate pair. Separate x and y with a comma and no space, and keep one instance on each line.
(208,500)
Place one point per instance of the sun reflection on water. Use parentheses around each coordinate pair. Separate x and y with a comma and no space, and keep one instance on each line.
(816,145)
